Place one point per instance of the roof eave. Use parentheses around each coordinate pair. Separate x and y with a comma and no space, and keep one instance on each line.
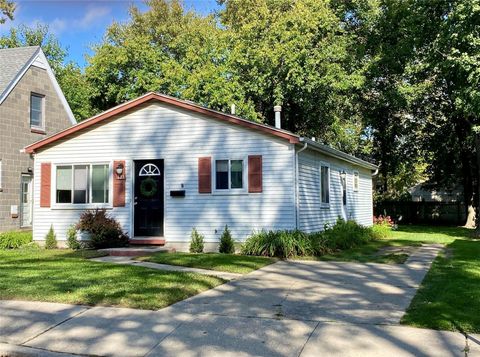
(327,150)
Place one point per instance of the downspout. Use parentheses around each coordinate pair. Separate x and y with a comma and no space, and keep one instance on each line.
(296,183)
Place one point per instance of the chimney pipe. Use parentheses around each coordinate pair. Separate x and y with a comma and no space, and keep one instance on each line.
(232,109)
(278,120)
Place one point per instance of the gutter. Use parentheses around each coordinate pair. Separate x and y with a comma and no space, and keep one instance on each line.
(296,183)
(327,150)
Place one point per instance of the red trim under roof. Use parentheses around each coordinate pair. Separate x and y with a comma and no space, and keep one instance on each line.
(292,138)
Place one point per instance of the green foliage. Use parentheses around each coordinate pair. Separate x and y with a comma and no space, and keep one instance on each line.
(287,244)
(227,244)
(345,235)
(196,242)
(105,231)
(51,239)
(7,9)
(72,241)
(15,239)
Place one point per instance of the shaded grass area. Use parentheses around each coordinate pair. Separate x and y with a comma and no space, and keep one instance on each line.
(231,263)
(67,277)
(449,297)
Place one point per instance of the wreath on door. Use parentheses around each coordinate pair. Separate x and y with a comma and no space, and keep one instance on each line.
(148,187)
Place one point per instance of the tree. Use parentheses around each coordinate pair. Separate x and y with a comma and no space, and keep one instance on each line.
(76,88)
(169,50)
(296,54)
(7,8)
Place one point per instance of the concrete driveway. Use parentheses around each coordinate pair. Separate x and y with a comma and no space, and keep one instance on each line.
(285,309)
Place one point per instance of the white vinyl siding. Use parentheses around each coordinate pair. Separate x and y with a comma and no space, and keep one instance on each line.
(179,137)
(312,215)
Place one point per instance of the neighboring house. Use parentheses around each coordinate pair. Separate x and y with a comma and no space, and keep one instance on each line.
(32,107)
(161,166)
(429,193)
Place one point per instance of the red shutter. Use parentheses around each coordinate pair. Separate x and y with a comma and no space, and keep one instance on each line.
(204,175)
(45,183)
(255,173)
(119,185)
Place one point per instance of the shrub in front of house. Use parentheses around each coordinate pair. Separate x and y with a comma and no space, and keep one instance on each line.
(227,244)
(289,244)
(196,242)
(51,239)
(345,235)
(104,231)
(15,239)
(72,241)
(382,227)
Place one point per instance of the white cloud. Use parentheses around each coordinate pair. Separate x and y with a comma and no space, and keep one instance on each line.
(92,15)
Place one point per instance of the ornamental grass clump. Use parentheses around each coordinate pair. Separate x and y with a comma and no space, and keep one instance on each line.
(51,239)
(227,244)
(196,242)
(345,235)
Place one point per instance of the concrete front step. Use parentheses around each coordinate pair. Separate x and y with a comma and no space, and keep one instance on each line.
(135,251)
(147,241)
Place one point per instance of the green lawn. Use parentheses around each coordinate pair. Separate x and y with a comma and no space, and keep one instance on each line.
(67,277)
(230,263)
(449,297)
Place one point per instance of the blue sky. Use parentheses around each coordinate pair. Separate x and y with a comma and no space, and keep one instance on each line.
(79,24)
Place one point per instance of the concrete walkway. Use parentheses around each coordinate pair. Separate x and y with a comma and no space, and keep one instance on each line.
(131,261)
(285,309)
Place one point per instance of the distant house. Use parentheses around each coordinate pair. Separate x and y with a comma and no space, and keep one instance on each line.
(32,107)
(161,166)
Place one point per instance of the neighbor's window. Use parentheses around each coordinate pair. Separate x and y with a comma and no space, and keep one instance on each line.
(356,180)
(325,184)
(80,184)
(228,174)
(36,110)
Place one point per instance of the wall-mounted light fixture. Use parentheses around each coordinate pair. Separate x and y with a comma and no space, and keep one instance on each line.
(343,174)
(119,170)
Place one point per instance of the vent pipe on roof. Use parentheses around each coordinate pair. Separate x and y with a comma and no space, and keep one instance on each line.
(232,109)
(278,119)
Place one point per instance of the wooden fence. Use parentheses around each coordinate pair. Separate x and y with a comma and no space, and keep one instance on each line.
(422,212)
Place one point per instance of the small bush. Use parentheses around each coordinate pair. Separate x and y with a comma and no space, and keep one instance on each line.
(196,242)
(227,244)
(72,241)
(345,235)
(382,227)
(15,239)
(105,231)
(51,239)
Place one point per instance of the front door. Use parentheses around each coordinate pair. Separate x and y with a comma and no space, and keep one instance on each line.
(148,199)
(26,201)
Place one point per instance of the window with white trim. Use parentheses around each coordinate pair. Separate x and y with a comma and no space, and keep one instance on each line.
(229,174)
(356,181)
(82,184)
(36,110)
(325,184)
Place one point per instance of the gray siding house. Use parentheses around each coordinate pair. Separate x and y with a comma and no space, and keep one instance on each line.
(32,106)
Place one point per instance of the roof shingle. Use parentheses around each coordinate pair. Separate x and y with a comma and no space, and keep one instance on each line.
(12,61)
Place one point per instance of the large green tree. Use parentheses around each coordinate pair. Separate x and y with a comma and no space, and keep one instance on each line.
(169,50)
(7,8)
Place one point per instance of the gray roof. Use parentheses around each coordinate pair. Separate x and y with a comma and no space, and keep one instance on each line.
(12,62)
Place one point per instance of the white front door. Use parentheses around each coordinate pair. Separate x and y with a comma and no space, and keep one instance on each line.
(26,201)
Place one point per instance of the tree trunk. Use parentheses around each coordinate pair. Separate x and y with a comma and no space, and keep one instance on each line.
(477,176)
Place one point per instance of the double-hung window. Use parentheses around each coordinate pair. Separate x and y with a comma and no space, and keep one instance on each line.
(82,184)
(229,174)
(325,184)
(36,110)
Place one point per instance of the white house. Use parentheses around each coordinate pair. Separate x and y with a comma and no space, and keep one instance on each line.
(161,166)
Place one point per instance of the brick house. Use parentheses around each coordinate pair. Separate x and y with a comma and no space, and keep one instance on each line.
(32,106)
